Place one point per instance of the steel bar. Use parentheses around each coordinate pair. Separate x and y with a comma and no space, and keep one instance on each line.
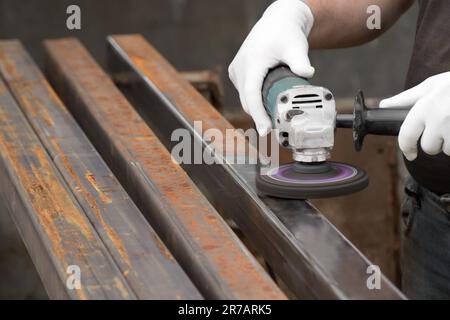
(145,262)
(207,249)
(309,254)
(56,231)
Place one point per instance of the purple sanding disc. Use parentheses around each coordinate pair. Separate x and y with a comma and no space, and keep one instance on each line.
(338,172)
(299,181)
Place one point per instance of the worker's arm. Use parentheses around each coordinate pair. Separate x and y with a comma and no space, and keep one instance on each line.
(281,37)
(343,23)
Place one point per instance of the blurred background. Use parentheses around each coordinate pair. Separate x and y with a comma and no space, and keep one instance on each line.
(205,35)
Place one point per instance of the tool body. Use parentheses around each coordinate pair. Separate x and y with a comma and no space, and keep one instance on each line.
(304,115)
(306,119)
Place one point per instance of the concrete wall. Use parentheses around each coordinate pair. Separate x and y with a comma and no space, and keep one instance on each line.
(195,34)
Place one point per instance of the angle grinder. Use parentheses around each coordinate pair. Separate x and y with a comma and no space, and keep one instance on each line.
(305,119)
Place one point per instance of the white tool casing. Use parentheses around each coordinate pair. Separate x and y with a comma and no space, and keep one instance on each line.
(306,117)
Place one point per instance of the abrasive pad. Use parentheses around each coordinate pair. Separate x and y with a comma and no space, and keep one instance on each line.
(307,181)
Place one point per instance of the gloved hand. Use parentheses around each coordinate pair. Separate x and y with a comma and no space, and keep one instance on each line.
(280,36)
(429,116)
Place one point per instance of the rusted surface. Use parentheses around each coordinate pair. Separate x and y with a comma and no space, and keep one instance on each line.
(55,229)
(188,100)
(201,241)
(144,261)
(303,248)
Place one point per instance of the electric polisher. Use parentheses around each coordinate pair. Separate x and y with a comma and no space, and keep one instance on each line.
(305,118)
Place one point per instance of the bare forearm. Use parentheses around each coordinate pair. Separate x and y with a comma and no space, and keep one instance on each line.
(343,23)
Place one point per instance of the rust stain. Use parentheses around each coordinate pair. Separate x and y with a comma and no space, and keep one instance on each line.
(49,201)
(12,54)
(41,108)
(53,207)
(90,177)
(81,294)
(33,106)
(180,196)
(52,191)
(162,248)
(7,46)
(121,287)
(90,199)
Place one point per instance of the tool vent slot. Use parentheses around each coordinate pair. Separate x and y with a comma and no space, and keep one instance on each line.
(306,101)
(312,95)
(313,99)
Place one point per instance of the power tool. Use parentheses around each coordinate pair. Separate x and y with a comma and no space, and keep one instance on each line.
(305,119)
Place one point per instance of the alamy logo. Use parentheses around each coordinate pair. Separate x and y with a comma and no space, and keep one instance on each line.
(73,281)
(374,20)
(73,21)
(234,146)
(374,280)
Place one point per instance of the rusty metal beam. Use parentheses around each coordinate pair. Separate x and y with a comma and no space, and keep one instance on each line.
(207,249)
(310,255)
(145,262)
(56,231)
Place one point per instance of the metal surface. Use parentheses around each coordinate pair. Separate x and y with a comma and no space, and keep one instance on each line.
(311,256)
(210,253)
(55,230)
(143,259)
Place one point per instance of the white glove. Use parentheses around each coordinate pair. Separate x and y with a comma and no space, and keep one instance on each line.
(429,116)
(280,36)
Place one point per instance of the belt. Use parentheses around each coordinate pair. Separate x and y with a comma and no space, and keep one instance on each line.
(445,200)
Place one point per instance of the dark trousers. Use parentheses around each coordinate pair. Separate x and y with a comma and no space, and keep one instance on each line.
(425,259)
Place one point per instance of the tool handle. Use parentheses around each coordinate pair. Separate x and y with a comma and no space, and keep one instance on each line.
(274,75)
(365,121)
(386,122)
(344,120)
(278,80)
